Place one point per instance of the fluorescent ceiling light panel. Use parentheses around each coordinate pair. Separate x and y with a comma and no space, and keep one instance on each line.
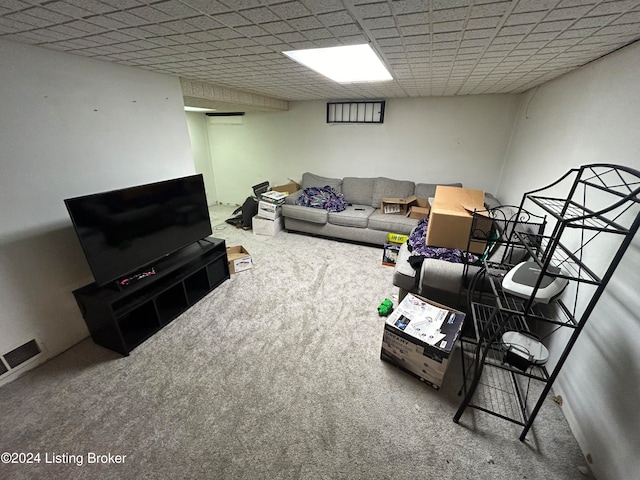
(198,109)
(350,64)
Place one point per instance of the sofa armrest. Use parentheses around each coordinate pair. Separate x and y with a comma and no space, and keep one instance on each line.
(293,197)
(404,275)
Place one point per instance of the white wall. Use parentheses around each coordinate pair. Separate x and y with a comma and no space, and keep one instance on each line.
(70,126)
(197,124)
(590,116)
(433,140)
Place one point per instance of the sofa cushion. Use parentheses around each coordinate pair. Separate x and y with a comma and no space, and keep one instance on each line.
(428,190)
(354,216)
(358,191)
(388,188)
(312,180)
(309,214)
(391,223)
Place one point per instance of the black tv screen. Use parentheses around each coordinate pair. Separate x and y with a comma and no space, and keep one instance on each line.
(122,231)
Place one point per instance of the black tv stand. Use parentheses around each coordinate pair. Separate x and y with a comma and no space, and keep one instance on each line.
(122,318)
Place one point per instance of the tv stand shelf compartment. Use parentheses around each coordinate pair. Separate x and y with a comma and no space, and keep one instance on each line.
(593,213)
(122,318)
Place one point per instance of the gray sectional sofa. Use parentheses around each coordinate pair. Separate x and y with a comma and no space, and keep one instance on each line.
(362,221)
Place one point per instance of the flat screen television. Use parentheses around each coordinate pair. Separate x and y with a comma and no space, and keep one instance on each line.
(125,230)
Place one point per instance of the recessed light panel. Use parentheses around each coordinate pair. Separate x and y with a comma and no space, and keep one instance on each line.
(349,64)
(198,109)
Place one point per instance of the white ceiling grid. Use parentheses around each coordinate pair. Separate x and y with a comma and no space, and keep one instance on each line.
(432,47)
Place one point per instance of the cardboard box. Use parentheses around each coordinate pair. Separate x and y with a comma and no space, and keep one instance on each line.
(421,209)
(411,341)
(391,248)
(397,206)
(269,210)
(287,188)
(262,226)
(239,259)
(451,218)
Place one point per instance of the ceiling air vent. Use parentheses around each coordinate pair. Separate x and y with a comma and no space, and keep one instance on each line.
(355,112)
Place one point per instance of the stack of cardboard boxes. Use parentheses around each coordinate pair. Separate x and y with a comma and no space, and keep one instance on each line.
(269,219)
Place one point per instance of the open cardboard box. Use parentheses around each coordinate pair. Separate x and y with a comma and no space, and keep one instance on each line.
(239,259)
(451,219)
(420,210)
(397,206)
(287,188)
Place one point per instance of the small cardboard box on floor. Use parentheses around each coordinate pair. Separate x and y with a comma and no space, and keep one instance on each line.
(451,218)
(239,259)
(419,337)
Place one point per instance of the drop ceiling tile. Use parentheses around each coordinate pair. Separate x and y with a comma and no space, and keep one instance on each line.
(336,18)
(482,23)
(176,9)
(276,28)
(446,37)
(416,42)
(305,23)
(25,21)
(345,31)
(495,9)
(158,30)
(614,30)
(380,22)
(515,30)
(231,19)
(323,6)
(478,34)
(550,27)
(49,15)
(414,30)
(525,18)
(290,10)
(449,14)
(122,4)
(537,5)
(413,19)
(292,37)
(453,26)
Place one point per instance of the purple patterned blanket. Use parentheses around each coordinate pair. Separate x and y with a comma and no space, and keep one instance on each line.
(322,197)
(417,247)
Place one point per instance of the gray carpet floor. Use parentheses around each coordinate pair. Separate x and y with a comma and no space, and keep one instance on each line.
(274,375)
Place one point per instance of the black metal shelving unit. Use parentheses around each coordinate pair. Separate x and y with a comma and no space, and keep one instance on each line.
(591,215)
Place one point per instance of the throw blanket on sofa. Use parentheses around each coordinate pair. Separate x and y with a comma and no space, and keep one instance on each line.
(325,197)
(419,250)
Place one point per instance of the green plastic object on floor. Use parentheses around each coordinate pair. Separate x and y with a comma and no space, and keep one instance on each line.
(385,308)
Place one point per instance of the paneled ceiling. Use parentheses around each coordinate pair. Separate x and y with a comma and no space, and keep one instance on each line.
(229,52)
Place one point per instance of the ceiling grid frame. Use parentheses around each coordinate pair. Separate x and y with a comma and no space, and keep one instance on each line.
(432,47)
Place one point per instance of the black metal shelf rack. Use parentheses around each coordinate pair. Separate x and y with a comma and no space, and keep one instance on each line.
(592,213)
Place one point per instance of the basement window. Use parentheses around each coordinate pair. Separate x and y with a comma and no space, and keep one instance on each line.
(355,112)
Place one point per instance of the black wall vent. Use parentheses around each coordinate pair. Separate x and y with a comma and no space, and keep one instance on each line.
(19,355)
(356,112)
(224,114)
